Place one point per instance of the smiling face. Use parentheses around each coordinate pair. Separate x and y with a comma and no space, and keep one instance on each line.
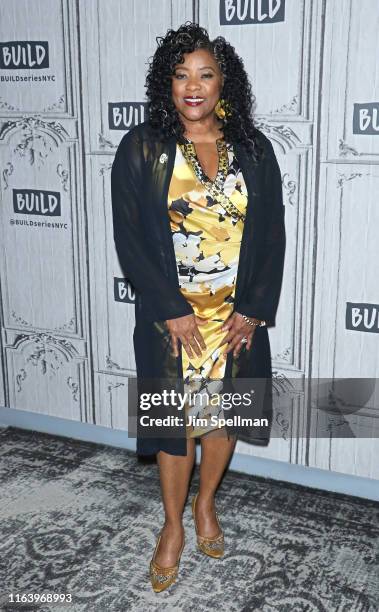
(198,79)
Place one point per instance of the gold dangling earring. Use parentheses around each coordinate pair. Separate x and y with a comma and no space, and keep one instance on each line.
(219,109)
(223,110)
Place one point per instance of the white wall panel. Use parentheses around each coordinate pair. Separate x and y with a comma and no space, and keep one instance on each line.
(43,227)
(351,76)
(50,90)
(112,319)
(40,227)
(282,84)
(346,311)
(347,271)
(117,39)
(48,375)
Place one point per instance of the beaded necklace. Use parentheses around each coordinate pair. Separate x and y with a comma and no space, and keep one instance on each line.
(215,188)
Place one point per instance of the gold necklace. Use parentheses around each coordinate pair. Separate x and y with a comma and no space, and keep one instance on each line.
(189,153)
(215,188)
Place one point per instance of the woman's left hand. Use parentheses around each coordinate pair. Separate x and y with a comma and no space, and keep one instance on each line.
(237,329)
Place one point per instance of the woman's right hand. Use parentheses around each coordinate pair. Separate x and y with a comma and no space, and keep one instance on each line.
(186,330)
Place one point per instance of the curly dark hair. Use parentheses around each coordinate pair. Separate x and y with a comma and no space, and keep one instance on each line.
(162,113)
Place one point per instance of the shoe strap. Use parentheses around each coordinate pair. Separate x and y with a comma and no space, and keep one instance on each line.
(218,538)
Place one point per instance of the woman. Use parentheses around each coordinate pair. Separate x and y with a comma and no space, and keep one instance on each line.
(197,198)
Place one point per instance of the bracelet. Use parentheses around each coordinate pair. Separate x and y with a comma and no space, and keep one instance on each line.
(254,323)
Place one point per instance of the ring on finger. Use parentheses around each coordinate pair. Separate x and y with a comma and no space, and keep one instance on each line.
(243,340)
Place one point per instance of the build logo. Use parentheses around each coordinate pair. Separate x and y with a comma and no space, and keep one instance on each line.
(37,202)
(362,317)
(366,118)
(125,115)
(17,55)
(123,291)
(237,12)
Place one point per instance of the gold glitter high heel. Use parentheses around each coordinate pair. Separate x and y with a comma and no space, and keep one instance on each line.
(213,547)
(163,577)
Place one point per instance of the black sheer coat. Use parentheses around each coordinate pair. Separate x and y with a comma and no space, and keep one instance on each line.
(140,179)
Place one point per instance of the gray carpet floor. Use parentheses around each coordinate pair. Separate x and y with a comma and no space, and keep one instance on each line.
(83,518)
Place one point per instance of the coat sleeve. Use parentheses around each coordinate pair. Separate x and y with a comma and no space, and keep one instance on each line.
(263,294)
(137,263)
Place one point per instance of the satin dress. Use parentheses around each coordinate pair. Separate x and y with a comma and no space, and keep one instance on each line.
(207,241)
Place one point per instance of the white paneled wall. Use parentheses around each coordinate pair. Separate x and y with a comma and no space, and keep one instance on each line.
(67,314)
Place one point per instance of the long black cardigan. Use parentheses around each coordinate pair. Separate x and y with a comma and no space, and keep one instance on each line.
(140,179)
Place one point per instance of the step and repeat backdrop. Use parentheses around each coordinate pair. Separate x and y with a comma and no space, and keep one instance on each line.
(72,77)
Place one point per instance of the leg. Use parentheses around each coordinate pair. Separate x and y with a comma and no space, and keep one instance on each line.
(175,473)
(216,450)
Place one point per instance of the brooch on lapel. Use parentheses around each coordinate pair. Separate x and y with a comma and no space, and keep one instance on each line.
(163,158)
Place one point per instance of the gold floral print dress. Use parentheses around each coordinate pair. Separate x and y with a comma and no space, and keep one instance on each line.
(207,238)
